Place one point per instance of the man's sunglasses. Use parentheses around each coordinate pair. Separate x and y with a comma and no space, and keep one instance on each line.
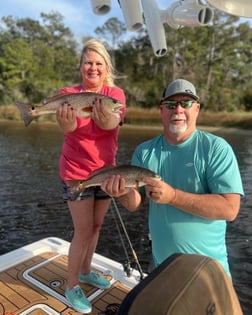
(174,104)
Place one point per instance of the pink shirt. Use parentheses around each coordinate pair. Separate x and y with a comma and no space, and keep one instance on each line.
(89,147)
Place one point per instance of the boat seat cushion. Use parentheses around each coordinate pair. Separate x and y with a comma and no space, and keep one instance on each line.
(184,284)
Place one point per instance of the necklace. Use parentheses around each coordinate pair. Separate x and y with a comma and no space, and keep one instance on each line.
(89,90)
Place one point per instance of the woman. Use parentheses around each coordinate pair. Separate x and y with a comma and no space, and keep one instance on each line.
(89,143)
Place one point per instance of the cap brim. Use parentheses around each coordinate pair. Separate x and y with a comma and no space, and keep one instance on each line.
(182,93)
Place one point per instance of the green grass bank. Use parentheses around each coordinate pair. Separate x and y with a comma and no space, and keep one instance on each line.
(142,117)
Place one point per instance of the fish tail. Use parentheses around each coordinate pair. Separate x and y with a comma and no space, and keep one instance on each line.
(74,194)
(25,112)
(75,191)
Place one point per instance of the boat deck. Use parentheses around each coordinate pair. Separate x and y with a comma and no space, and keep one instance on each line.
(36,285)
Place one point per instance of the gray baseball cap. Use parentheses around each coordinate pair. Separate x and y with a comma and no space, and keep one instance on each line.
(180,86)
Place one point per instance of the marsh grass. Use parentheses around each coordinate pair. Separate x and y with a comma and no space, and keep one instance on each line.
(218,119)
(140,116)
(9,112)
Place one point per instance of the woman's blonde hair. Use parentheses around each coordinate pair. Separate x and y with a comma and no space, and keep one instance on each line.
(99,48)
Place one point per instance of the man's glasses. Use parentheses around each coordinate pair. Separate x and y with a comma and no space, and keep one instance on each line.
(174,104)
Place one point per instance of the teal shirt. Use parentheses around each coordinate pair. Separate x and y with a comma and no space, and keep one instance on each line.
(204,163)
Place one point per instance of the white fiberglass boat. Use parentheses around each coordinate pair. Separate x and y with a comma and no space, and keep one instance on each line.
(33,280)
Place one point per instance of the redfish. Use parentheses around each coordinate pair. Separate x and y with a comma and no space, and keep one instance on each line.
(82,102)
(133,176)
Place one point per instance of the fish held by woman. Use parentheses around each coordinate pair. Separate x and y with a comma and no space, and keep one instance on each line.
(82,102)
(133,176)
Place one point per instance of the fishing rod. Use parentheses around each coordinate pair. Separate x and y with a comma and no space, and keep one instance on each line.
(126,265)
(54,203)
(129,242)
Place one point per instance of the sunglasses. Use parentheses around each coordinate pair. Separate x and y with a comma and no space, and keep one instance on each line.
(174,104)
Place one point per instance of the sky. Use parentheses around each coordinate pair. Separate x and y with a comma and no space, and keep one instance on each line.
(78,14)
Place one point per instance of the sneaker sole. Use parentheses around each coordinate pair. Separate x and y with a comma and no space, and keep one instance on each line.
(78,309)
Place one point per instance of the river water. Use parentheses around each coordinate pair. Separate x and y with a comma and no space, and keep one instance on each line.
(31,206)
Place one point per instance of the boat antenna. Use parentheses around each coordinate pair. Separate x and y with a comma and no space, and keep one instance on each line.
(128,239)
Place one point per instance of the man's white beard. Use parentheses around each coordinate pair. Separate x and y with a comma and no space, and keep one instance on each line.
(177,129)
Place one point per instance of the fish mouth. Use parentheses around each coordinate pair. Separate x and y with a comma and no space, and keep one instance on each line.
(117,109)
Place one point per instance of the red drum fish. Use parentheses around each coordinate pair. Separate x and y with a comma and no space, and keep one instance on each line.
(82,102)
(133,175)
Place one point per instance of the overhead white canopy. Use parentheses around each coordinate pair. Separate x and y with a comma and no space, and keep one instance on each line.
(235,7)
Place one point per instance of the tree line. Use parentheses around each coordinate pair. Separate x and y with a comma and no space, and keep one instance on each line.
(37,58)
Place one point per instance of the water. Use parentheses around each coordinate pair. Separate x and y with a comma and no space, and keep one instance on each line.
(31,206)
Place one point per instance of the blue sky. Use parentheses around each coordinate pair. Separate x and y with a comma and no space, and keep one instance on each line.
(78,14)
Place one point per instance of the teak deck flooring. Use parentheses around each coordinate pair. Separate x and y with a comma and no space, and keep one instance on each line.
(37,285)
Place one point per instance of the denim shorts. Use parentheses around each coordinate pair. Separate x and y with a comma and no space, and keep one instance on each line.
(90,192)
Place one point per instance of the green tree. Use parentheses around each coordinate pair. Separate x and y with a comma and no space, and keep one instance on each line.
(36,59)
(111,31)
(14,68)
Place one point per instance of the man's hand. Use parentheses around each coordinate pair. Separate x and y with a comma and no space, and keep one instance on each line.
(159,191)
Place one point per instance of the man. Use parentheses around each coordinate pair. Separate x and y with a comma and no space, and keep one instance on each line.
(200,188)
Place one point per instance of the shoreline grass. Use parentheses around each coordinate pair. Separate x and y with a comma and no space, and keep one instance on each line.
(211,119)
(143,117)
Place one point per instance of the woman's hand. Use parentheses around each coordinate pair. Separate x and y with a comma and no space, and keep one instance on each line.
(129,197)
(115,186)
(66,117)
(102,117)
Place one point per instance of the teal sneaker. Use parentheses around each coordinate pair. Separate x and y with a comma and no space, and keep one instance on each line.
(78,300)
(95,280)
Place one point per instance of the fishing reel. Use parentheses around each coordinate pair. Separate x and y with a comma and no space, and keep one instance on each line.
(127,268)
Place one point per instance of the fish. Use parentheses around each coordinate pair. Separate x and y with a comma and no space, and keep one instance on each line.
(133,176)
(82,102)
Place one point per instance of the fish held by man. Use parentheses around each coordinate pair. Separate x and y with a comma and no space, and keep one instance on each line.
(133,176)
(82,102)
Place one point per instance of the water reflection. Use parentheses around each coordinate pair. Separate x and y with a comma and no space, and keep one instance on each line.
(31,206)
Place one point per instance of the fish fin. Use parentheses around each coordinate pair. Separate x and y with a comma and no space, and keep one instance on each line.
(56,97)
(86,111)
(103,169)
(25,112)
(137,185)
